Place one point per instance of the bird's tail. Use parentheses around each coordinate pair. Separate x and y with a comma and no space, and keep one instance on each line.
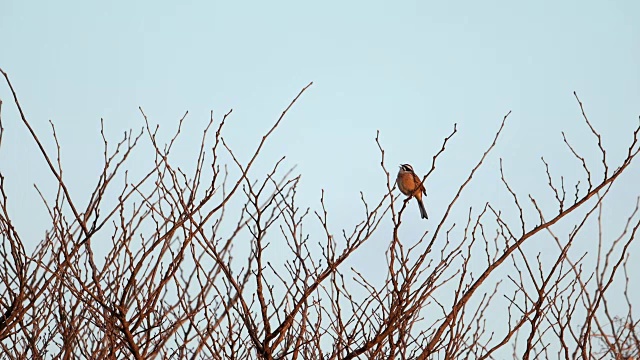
(423,211)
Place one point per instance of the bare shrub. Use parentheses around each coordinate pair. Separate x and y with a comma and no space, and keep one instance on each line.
(190,271)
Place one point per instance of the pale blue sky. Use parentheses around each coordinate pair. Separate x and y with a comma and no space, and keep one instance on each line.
(408,69)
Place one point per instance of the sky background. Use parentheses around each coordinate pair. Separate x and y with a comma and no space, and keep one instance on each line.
(408,69)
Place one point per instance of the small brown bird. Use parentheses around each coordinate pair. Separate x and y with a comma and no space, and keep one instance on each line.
(410,184)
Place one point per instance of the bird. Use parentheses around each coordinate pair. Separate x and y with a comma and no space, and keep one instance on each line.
(410,184)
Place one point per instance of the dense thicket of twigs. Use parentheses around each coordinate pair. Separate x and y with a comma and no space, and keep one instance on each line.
(172,285)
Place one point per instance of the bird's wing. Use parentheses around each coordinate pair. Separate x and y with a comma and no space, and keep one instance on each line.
(419,182)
